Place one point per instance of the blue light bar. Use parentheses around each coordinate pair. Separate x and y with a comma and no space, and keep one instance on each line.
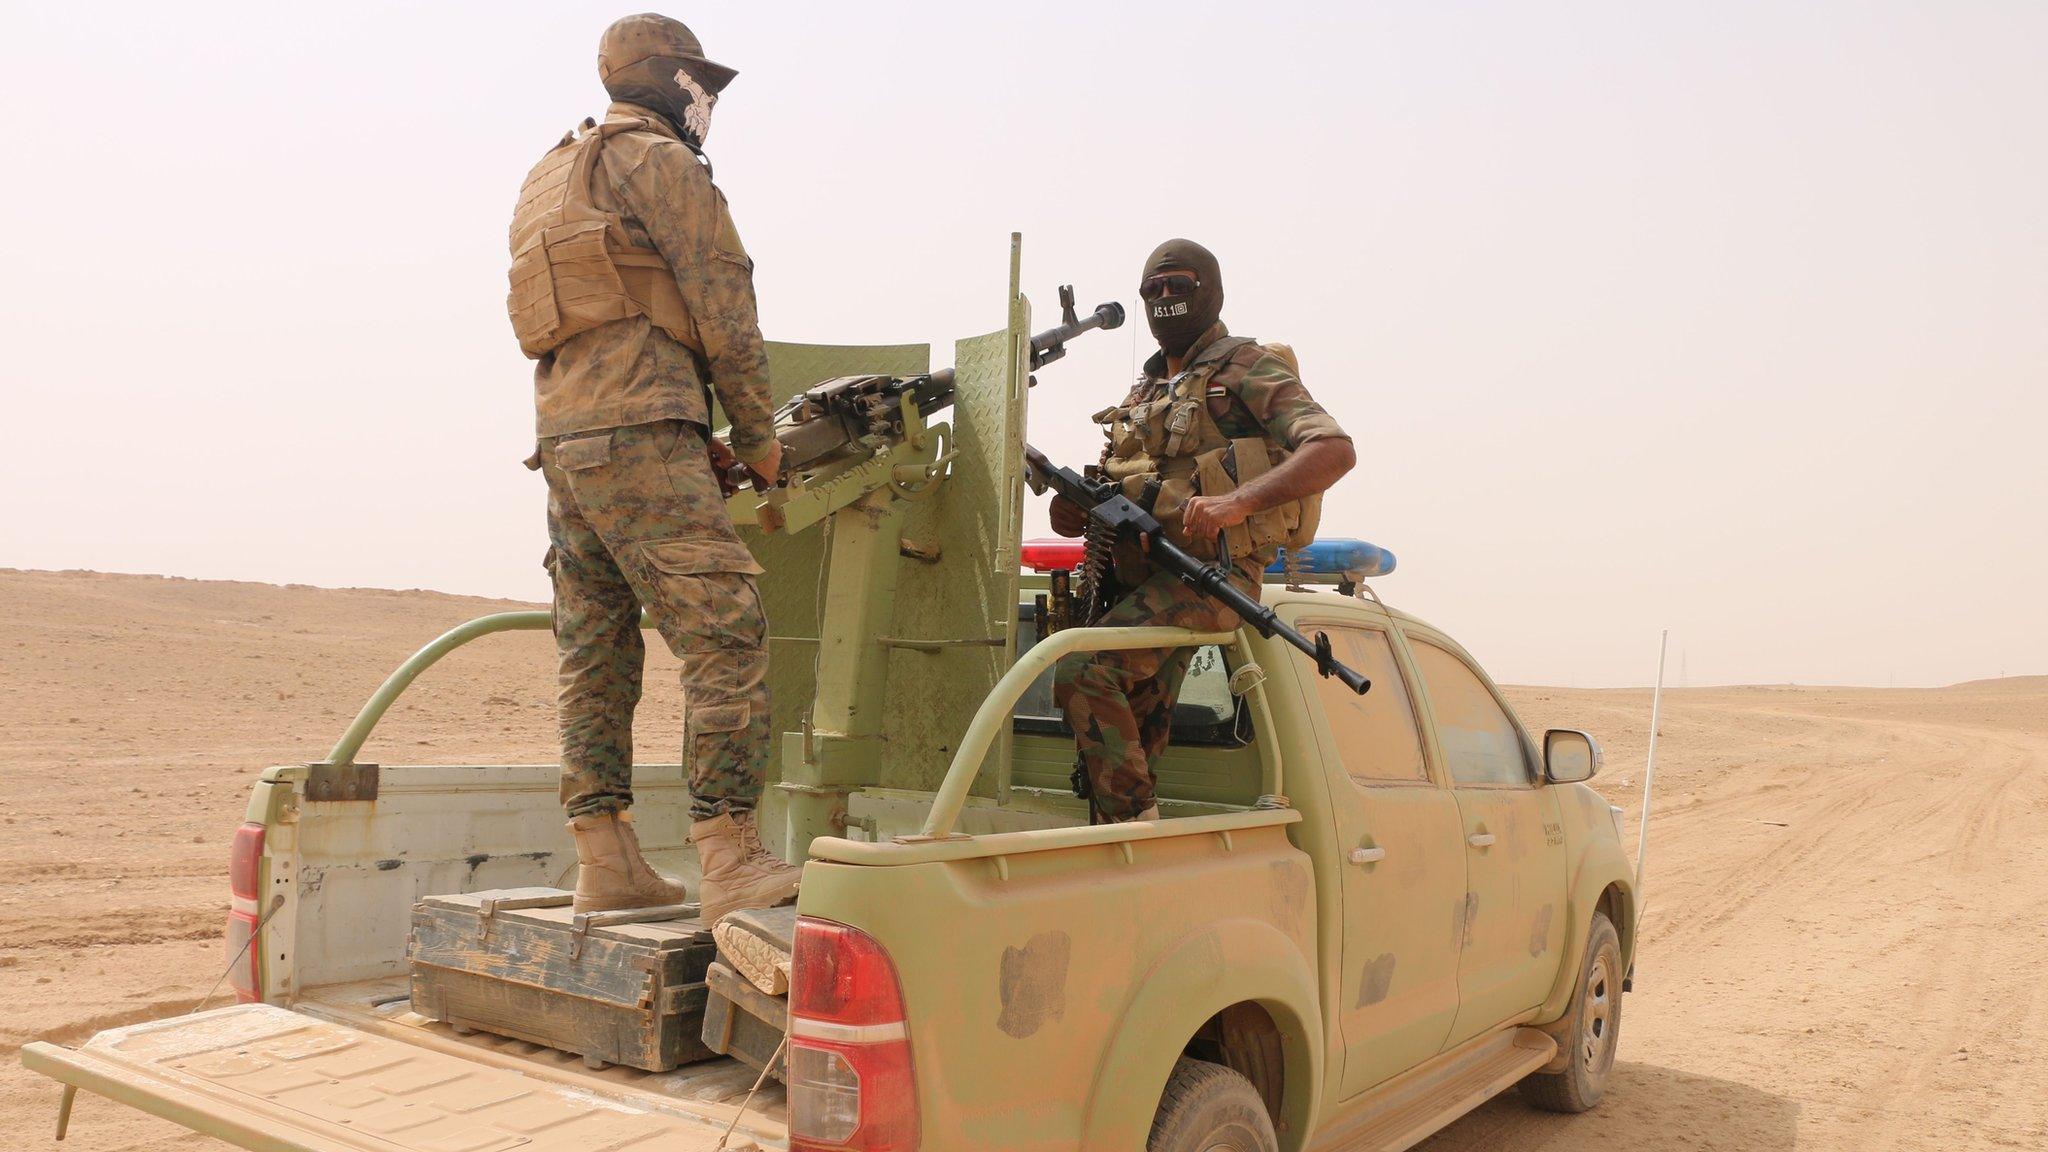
(1337,556)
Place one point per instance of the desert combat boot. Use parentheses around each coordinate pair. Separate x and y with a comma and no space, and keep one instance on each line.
(610,871)
(739,871)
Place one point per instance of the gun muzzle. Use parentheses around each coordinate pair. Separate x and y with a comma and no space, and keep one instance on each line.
(1051,344)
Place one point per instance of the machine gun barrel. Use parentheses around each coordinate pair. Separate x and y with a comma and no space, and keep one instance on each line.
(830,421)
(935,391)
(1109,508)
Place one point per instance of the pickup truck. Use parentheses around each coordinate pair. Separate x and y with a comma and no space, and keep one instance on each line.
(1357,918)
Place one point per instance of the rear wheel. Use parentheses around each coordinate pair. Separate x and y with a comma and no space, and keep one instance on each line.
(1589,1031)
(1209,1108)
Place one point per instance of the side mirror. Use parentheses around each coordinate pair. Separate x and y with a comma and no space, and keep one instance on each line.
(1569,756)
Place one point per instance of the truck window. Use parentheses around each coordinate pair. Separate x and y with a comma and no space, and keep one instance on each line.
(1481,744)
(1206,712)
(1376,734)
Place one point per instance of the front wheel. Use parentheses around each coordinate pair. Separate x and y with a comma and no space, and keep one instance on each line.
(1210,1108)
(1591,1029)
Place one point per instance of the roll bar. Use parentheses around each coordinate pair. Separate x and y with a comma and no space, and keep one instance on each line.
(401,678)
(995,711)
(989,720)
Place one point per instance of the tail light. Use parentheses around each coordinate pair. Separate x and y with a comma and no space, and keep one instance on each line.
(245,871)
(851,1085)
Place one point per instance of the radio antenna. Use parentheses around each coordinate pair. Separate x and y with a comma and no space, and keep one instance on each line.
(1650,770)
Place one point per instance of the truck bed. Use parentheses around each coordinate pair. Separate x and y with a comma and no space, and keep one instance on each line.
(711,1089)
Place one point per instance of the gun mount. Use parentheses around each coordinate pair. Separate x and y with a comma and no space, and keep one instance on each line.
(849,436)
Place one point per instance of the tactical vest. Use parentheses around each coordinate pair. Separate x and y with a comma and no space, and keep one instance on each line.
(573,267)
(1164,450)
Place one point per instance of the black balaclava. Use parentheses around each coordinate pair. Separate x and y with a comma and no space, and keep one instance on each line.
(1177,320)
(657,63)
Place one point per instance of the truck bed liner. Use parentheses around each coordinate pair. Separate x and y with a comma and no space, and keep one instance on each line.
(260,1076)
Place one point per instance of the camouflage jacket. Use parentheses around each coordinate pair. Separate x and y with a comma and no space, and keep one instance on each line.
(1254,393)
(631,372)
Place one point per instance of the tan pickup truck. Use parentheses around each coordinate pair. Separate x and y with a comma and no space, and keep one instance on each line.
(1358,918)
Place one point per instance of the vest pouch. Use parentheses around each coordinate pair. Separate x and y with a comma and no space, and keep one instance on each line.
(1270,528)
(1303,533)
(1183,424)
(588,291)
(1149,424)
(1174,492)
(532,300)
(1123,468)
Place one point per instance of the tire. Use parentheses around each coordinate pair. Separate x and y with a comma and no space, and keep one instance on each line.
(1209,1108)
(1590,1030)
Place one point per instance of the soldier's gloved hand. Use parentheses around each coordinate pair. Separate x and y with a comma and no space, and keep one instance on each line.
(1068,518)
(722,464)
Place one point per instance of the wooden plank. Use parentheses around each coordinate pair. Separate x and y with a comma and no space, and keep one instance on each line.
(556,914)
(544,898)
(775,925)
(743,1022)
(730,984)
(511,897)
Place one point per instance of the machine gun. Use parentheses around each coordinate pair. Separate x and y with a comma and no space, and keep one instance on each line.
(849,418)
(1111,512)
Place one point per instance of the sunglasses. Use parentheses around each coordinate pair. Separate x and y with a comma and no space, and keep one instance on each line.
(1168,284)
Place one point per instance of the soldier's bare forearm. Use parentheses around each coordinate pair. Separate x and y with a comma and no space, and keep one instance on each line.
(1314,467)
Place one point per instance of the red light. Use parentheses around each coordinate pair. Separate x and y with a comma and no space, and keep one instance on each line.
(245,872)
(244,974)
(841,976)
(1049,555)
(850,1080)
(246,861)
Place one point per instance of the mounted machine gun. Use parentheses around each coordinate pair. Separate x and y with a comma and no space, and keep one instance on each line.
(851,435)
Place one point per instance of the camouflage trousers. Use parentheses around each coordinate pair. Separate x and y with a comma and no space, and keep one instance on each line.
(1120,704)
(635,519)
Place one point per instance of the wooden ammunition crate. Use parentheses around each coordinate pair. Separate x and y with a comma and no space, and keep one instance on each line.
(613,987)
(743,1022)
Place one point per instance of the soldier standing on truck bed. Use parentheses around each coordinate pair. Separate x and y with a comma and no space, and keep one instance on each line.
(1220,441)
(632,290)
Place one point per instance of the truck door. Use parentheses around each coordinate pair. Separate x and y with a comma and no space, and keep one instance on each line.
(1512,923)
(1403,869)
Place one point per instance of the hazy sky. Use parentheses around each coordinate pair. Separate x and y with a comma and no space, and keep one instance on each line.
(1731,318)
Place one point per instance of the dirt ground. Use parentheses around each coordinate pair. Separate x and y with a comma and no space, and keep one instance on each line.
(1846,945)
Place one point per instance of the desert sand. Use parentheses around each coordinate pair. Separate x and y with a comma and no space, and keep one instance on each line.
(1846,944)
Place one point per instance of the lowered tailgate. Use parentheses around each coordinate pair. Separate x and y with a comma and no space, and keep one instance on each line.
(266,1078)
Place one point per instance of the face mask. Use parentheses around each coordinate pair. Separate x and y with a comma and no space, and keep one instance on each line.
(670,86)
(697,114)
(1182,292)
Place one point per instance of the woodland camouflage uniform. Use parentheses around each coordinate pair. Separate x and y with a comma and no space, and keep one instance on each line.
(1120,704)
(635,515)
